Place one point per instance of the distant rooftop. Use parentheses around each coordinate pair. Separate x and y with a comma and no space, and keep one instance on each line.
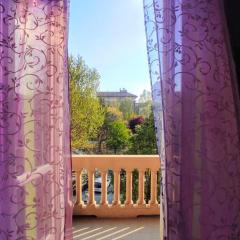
(122,93)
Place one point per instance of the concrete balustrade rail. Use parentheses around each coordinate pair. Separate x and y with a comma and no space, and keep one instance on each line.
(116,163)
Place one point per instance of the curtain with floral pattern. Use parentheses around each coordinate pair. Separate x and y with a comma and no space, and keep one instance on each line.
(35,164)
(197,119)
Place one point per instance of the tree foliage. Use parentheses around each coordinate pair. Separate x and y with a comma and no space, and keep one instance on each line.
(118,136)
(145,103)
(111,114)
(126,106)
(134,122)
(143,141)
(87,114)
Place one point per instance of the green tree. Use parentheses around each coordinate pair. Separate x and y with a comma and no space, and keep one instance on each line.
(87,114)
(111,114)
(127,108)
(144,139)
(145,103)
(118,136)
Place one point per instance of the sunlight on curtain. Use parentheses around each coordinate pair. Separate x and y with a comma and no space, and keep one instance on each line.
(195,108)
(35,164)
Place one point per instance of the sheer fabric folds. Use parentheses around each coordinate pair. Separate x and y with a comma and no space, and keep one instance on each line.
(195,107)
(35,164)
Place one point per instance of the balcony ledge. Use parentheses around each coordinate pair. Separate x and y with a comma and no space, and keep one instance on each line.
(128,163)
(117,211)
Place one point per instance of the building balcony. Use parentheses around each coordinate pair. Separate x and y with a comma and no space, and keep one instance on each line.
(141,228)
(124,217)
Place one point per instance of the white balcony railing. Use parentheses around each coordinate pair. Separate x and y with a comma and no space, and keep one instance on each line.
(116,163)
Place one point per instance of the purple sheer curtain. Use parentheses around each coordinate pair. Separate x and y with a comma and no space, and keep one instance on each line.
(35,164)
(195,107)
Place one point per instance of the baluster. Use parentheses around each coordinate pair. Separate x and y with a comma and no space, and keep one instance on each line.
(128,188)
(79,187)
(153,200)
(104,188)
(141,181)
(91,200)
(116,200)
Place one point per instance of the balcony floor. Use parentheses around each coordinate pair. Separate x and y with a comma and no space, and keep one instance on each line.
(141,228)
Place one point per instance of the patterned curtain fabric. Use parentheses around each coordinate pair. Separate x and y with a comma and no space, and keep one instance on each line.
(35,164)
(195,107)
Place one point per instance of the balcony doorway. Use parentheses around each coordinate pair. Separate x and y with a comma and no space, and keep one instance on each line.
(116,168)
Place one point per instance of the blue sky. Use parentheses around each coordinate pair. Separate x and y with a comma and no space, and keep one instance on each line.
(110,36)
